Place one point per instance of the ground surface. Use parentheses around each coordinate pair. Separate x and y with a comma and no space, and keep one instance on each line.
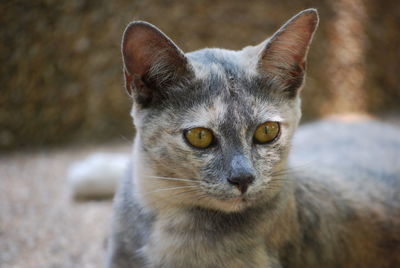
(40,225)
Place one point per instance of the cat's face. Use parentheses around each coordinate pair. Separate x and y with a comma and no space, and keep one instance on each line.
(214,126)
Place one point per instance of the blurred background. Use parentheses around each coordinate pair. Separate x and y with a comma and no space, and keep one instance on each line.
(61,96)
(61,78)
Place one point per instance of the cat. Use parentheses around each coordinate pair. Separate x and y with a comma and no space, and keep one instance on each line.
(211,182)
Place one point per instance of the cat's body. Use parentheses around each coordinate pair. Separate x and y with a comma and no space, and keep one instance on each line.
(233,200)
(343,210)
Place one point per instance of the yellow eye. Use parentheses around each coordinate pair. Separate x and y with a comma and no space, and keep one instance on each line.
(266,132)
(199,137)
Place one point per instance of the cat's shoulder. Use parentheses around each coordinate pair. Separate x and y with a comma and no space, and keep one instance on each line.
(366,144)
(357,159)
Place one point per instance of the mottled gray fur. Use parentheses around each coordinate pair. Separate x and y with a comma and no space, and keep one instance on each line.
(336,204)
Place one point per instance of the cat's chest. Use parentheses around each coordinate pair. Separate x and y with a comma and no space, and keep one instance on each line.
(171,247)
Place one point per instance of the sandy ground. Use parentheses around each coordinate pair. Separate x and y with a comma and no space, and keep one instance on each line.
(40,224)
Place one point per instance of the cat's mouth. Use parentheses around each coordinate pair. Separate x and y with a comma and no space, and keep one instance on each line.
(240,199)
(230,203)
(228,198)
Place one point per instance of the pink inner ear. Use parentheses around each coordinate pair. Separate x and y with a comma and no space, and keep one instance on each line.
(290,44)
(144,45)
(151,60)
(138,43)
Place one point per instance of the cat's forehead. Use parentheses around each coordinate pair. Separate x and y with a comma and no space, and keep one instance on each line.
(224,63)
(233,94)
(224,75)
(227,92)
(239,112)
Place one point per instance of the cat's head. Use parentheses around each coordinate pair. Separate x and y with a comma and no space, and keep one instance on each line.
(214,126)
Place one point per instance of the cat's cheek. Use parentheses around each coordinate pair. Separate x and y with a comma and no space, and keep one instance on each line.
(268,159)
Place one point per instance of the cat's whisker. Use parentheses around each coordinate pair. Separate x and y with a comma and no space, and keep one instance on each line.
(290,170)
(279,175)
(273,188)
(170,188)
(175,188)
(178,195)
(276,182)
(170,178)
(186,192)
(125,139)
(278,178)
(182,194)
(235,204)
(201,197)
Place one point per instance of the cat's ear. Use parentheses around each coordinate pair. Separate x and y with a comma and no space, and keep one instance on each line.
(152,62)
(284,54)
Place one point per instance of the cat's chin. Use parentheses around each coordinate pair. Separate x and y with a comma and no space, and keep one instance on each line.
(229,205)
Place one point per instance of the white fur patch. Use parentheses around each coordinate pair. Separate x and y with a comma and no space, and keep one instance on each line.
(97,176)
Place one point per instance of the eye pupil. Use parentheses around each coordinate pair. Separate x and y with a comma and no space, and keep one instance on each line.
(199,137)
(201,134)
(266,132)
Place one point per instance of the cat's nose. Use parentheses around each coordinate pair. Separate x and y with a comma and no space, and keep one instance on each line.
(242,182)
(242,172)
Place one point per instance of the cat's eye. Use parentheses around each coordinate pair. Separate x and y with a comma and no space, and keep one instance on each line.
(199,137)
(266,132)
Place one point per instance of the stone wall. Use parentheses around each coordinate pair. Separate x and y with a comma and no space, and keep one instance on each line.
(61,78)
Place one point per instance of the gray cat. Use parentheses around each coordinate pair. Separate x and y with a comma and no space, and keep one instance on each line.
(211,183)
